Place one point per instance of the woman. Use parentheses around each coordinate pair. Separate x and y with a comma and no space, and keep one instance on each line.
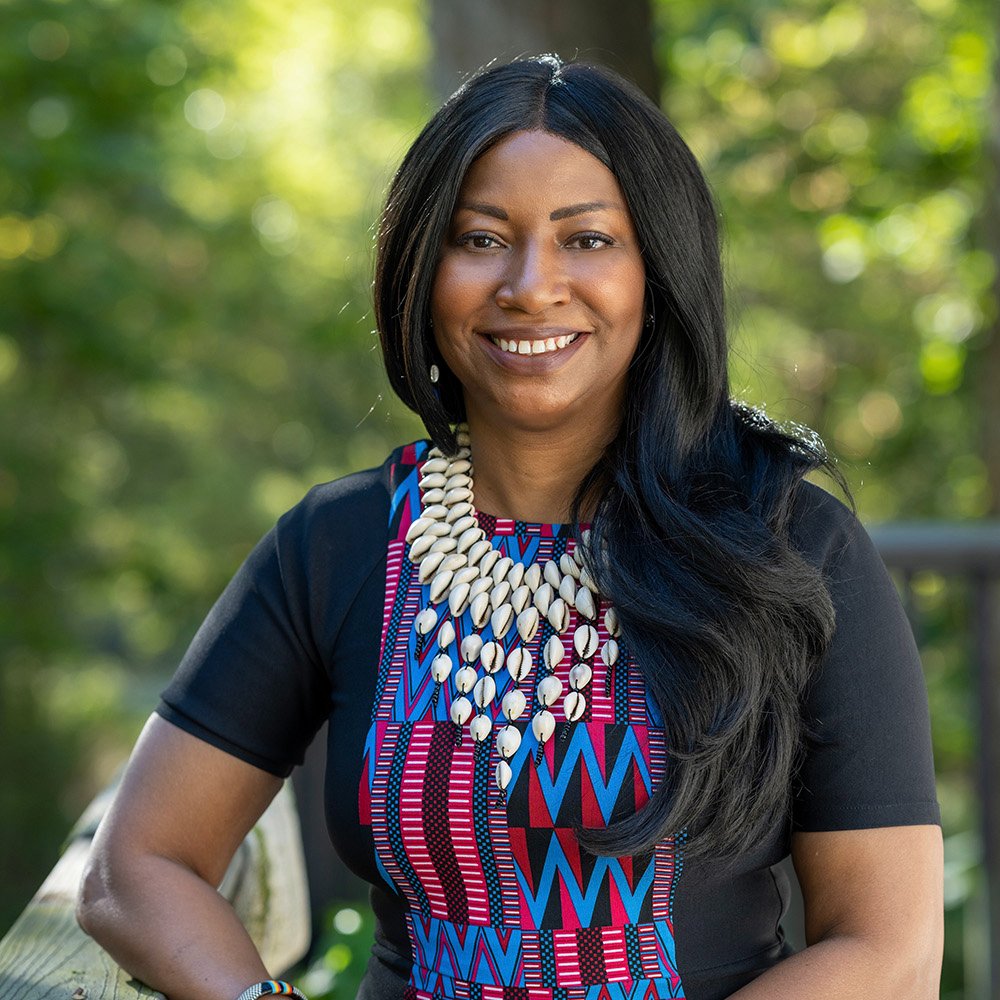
(573,755)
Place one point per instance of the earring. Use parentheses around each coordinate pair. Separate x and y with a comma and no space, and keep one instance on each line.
(649,318)
(435,374)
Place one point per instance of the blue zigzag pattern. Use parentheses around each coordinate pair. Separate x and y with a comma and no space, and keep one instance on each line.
(583,899)
(554,787)
(473,954)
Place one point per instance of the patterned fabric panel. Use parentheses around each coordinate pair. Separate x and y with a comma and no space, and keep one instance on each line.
(503,901)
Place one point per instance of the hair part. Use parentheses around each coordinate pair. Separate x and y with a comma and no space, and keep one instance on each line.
(690,539)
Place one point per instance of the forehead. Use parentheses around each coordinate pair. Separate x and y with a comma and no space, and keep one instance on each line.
(539,167)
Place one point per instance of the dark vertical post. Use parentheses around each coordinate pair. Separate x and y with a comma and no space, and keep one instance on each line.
(988,661)
(469,34)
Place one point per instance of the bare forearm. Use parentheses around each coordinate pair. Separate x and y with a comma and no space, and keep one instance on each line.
(171,930)
(845,968)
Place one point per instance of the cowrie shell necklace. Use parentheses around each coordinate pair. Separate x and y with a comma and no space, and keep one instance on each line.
(465,572)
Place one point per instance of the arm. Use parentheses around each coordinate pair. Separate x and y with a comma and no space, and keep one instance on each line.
(874,918)
(148,894)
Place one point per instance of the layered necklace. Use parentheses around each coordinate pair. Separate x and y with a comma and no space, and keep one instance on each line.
(454,556)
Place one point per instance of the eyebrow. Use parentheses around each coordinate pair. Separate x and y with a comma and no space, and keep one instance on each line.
(560,213)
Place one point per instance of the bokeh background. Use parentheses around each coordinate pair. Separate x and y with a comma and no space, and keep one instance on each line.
(187,198)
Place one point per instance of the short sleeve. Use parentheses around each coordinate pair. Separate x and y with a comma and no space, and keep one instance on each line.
(254,681)
(869,760)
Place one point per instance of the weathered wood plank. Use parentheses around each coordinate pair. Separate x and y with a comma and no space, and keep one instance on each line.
(45,955)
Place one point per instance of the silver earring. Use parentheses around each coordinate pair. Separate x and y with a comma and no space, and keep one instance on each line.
(649,319)
(435,373)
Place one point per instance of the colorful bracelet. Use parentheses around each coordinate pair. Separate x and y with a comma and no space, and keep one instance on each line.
(271,987)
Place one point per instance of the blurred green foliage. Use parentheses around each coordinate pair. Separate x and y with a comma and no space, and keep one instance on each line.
(187,192)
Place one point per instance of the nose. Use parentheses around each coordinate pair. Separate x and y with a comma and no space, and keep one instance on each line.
(534,280)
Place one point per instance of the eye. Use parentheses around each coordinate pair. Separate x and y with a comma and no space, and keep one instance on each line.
(590,241)
(479,241)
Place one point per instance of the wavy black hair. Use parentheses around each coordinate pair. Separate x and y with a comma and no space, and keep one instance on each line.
(692,499)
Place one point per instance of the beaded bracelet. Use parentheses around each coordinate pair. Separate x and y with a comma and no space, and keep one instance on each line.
(271,987)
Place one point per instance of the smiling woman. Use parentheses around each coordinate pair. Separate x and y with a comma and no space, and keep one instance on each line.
(595,657)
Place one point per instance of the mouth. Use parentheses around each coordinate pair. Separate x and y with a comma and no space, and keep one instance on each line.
(535,345)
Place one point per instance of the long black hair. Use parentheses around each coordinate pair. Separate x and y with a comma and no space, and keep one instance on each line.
(694,497)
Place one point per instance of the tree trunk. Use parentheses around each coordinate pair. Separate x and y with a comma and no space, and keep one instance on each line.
(469,34)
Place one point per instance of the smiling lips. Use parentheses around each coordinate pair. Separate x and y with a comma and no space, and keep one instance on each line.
(536,345)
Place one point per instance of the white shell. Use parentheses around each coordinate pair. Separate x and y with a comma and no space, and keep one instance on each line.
(420,547)
(611,622)
(543,597)
(609,653)
(478,550)
(574,705)
(481,586)
(527,624)
(479,608)
(457,510)
(463,524)
(419,526)
(437,511)
(549,690)
(429,566)
(585,641)
(585,603)
(440,585)
(553,653)
(519,663)
(502,774)
(471,647)
(444,544)
(458,597)
(533,576)
(501,620)
(460,465)
(454,562)
(514,703)
(502,568)
(469,537)
(426,620)
(441,667)
(480,728)
(465,680)
(434,465)
(568,566)
(458,479)
(457,494)
(508,741)
(461,709)
(432,480)
(485,691)
(519,599)
(586,580)
(466,575)
(446,633)
(499,594)
(580,676)
(567,590)
(515,575)
(491,656)
(462,434)
(488,561)
(558,615)
(433,496)
(543,725)
(552,574)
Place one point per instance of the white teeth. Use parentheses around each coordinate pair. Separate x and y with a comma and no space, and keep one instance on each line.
(534,346)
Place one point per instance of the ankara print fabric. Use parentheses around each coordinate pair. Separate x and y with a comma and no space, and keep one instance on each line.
(502,902)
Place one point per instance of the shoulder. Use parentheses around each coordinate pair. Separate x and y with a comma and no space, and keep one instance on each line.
(825,531)
(353,508)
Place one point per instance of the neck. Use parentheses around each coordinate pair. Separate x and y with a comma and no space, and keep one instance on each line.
(531,475)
